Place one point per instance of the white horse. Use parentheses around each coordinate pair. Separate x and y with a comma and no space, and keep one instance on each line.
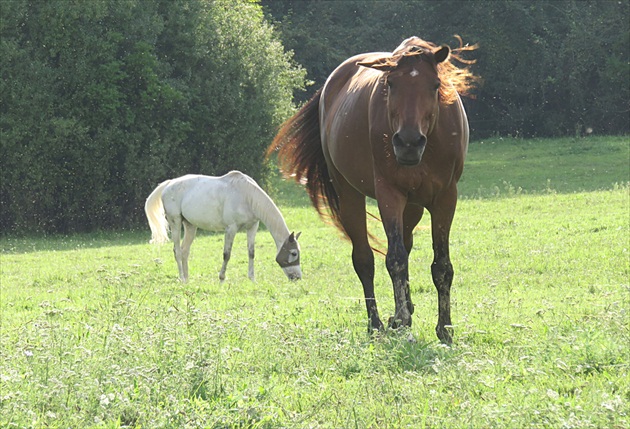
(228,203)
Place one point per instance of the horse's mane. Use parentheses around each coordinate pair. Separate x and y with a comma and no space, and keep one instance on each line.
(260,202)
(461,79)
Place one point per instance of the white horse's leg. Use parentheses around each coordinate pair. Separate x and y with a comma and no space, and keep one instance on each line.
(175,225)
(190,231)
(230,233)
(251,236)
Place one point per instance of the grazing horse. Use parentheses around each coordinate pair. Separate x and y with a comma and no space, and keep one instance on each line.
(389,126)
(228,203)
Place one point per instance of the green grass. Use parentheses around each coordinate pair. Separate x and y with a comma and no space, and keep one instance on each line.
(96,331)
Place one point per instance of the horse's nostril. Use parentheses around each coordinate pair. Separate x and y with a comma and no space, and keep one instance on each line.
(415,139)
(396,140)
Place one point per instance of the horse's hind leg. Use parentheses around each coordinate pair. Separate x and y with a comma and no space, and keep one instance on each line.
(251,237)
(230,233)
(190,231)
(442,270)
(175,225)
(353,219)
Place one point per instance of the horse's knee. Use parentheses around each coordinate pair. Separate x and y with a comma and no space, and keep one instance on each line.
(442,272)
(363,262)
(397,261)
(362,253)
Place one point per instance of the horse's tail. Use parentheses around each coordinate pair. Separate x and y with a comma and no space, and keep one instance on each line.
(301,157)
(154,209)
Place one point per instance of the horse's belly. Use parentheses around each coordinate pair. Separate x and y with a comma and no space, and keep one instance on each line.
(348,146)
(206,215)
(354,165)
(218,214)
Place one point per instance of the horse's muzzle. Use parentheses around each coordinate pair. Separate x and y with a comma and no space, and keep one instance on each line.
(409,147)
(293,272)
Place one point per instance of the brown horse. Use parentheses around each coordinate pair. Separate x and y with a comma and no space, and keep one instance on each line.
(390,126)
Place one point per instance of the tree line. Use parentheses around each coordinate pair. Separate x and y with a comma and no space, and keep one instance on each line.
(101,100)
(549,68)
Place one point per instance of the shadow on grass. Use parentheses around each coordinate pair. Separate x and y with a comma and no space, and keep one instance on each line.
(90,240)
(70,242)
(63,242)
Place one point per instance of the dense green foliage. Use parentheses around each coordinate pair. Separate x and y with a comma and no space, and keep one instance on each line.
(549,68)
(101,100)
(97,332)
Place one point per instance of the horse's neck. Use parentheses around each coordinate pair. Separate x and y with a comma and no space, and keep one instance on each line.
(269,214)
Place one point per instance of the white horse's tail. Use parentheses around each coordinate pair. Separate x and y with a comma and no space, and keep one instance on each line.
(154,209)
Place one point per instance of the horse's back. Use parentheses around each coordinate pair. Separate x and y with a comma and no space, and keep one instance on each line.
(344,119)
(347,88)
(208,202)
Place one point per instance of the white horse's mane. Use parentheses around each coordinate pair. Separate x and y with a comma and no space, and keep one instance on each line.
(261,204)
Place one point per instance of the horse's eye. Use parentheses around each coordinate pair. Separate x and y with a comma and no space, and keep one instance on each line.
(437,86)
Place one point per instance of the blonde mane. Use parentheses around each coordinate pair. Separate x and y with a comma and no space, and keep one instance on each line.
(457,80)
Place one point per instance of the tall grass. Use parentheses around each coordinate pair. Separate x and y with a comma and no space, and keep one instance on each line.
(96,331)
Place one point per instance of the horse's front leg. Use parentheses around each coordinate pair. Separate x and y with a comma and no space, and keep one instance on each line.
(251,237)
(411,218)
(391,205)
(442,270)
(230,233)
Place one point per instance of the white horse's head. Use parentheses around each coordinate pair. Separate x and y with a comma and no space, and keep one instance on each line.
(289,257)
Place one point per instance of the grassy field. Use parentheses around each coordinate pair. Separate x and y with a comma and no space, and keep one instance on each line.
(96,331)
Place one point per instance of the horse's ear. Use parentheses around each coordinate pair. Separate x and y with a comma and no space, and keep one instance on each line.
(298,235)
(441,54)
(292,237)
(383,64)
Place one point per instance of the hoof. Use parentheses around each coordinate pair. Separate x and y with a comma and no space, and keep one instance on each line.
(395,323)
(445,334)
(375,325)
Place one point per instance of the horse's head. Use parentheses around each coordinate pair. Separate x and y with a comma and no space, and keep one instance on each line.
(413,84)
(289,257)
